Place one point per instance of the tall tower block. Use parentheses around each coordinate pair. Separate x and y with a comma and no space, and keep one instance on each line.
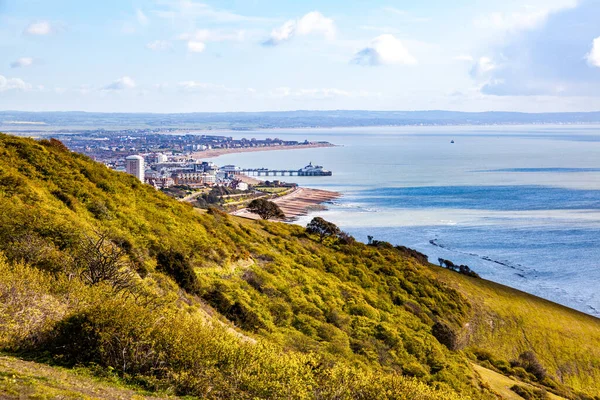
(134,165)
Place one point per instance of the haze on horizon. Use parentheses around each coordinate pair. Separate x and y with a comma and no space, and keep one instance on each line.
(233,55)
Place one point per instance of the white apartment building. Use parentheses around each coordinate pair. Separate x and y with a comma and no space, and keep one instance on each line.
(134,165)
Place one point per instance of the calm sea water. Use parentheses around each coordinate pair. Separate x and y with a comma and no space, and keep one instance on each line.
(520,205)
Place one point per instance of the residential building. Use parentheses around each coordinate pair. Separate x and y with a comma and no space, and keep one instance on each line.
(134,165)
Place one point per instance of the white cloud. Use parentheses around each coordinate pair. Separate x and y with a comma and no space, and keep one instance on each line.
(193,85)
(512,21)
(120,84)
(212,35)
(195,46)
(142,18)
(196,41)
(482,67)
(312,23)
(159,45)
(315,22)
(22,62)
(41,28)
(16,84)
(525,19)
(593,57)
(282,34)
(384,50)
(464,57)
(552,59)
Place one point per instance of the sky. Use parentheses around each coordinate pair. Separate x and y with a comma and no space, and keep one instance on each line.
(262,55)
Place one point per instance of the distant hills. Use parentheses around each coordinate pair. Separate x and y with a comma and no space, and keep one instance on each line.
(32,121)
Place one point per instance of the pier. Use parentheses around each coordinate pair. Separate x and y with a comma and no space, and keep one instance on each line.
(309,170)
(281,172)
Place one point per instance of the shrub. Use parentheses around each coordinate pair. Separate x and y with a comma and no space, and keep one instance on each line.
(529,362)
(529,393)
(99,209)
(345,238)
(55,143)
(27,311)
(176,265)
(420,257)
(237,311)
(98,259)
(445,335)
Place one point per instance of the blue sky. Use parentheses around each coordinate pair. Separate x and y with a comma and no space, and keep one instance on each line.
(258,55)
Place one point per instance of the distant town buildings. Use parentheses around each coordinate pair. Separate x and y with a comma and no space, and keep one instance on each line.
(164,158)
(190,178)
(157,158)
(159,146)
(239,185)
(134,165)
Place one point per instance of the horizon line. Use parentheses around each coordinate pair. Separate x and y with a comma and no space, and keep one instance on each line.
(304,110)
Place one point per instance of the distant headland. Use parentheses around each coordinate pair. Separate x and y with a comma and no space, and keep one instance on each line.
(75,121)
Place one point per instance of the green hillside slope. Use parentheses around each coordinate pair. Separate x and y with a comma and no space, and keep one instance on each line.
(100,271)
(506,323)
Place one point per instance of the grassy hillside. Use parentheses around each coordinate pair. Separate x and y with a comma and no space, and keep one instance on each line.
(100,271)
(507,322)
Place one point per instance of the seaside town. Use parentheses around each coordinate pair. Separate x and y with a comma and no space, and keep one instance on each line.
(111,148)
(175,164)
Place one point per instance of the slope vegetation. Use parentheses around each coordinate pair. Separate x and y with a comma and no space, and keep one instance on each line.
(98,270)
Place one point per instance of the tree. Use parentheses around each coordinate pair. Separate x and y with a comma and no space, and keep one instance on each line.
(319,226)
(99,259)
(265,209)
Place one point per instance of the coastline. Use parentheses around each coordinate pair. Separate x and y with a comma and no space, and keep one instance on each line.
(219,152)
(297,203)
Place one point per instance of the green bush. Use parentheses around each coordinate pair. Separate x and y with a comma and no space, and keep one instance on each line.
(529,393)
(175,264)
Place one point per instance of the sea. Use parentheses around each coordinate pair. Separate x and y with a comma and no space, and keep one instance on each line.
(519,204)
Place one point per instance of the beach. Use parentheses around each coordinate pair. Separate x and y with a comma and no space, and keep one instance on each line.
(297,203)
(219,152)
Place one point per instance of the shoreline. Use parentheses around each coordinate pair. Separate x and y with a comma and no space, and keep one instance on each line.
(220,152)
(297,203)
